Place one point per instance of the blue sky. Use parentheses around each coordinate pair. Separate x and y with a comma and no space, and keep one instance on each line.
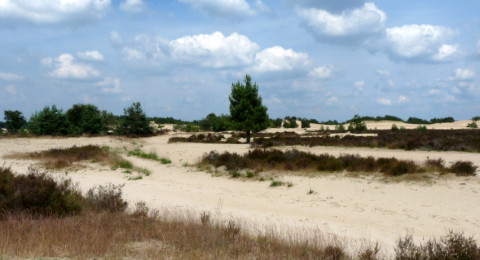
(323,59)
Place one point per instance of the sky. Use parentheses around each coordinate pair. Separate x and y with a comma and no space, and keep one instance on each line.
(321,59)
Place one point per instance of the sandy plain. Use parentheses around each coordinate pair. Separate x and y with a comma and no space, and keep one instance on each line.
(355,209)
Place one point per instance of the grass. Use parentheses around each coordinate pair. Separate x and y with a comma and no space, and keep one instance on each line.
(103,228)
(61,158)
(295,161)
(150,156)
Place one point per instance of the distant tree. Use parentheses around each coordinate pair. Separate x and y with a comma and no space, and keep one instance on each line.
(85,119)
(110,122)
(305,123)
(276,123)
(357,124)
(340,128)
(134,122)
(476,118)
(290,122)
(246,110)
(215,123)
(442,120)
(418,121)
(14,121)
(49,121)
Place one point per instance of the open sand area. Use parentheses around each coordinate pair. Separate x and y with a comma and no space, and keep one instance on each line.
(356,209)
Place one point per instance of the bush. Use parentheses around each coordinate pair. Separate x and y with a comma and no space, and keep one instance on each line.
(453,246)
(106,198)
(463,168)
(357,124)
(38,194)
(394,127)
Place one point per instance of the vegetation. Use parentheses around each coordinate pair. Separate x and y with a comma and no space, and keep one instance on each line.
(357,124)
(150,156)
(135,122)
(294,160)
(436,140)
(14,121)
(85,119)
(49,121)
(246,110)
(215,123)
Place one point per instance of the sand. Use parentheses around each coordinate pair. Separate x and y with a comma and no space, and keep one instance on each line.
(355,209)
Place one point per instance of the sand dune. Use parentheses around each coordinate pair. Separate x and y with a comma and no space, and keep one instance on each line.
(353,208)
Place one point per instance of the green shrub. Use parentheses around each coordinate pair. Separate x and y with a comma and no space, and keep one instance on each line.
(85,119)
(135,122)
(38,194)
(394,127)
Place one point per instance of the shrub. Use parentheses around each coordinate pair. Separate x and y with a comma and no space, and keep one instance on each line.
(463,168)
(106,198)
(394,127)
(357,124)
(451,246)
(38,194)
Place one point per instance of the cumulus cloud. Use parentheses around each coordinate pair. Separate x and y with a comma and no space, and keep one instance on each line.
(91,55)
(361,22)
(133,54)
(74,12)
(110,85)
(359,85)
(67,68)
(331,101)
(464,74)
(403,99)
(322,72)
(214,50)
(384,101)
(133,6)
(10,76)
(222,8)
(421,42)
(277,59)
(334,6)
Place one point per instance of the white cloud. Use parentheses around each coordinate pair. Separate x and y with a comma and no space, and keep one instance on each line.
(214,50)
(46,61)
(464,74)
(10,76)
(279,59)
(357,22)
(331,101)
(53,11)
(224,8)
(67,68)
(420,41)
(403,99)
(132,6)
(384,73)
(133,54)
(331,5)
(359,85)
(322,72)
(445,52)
(91,55)
(384,101)
(110,85)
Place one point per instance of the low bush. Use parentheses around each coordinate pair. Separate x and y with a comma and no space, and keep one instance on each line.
(38,194)
(294,160)
(106,198)
(451,246)
(150,156)
(462,168)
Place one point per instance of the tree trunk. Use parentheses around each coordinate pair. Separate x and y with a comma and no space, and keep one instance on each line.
(248,137)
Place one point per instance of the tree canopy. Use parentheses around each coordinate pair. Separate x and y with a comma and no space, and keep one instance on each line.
(85,119)
(246,110)
(135,122)
(14,121)
(49,121)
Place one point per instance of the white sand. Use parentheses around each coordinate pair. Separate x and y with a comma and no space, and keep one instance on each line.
(353,208)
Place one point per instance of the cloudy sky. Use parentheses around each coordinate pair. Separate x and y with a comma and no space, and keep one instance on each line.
(323,59)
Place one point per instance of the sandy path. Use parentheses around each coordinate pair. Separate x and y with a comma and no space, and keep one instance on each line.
(350,207)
